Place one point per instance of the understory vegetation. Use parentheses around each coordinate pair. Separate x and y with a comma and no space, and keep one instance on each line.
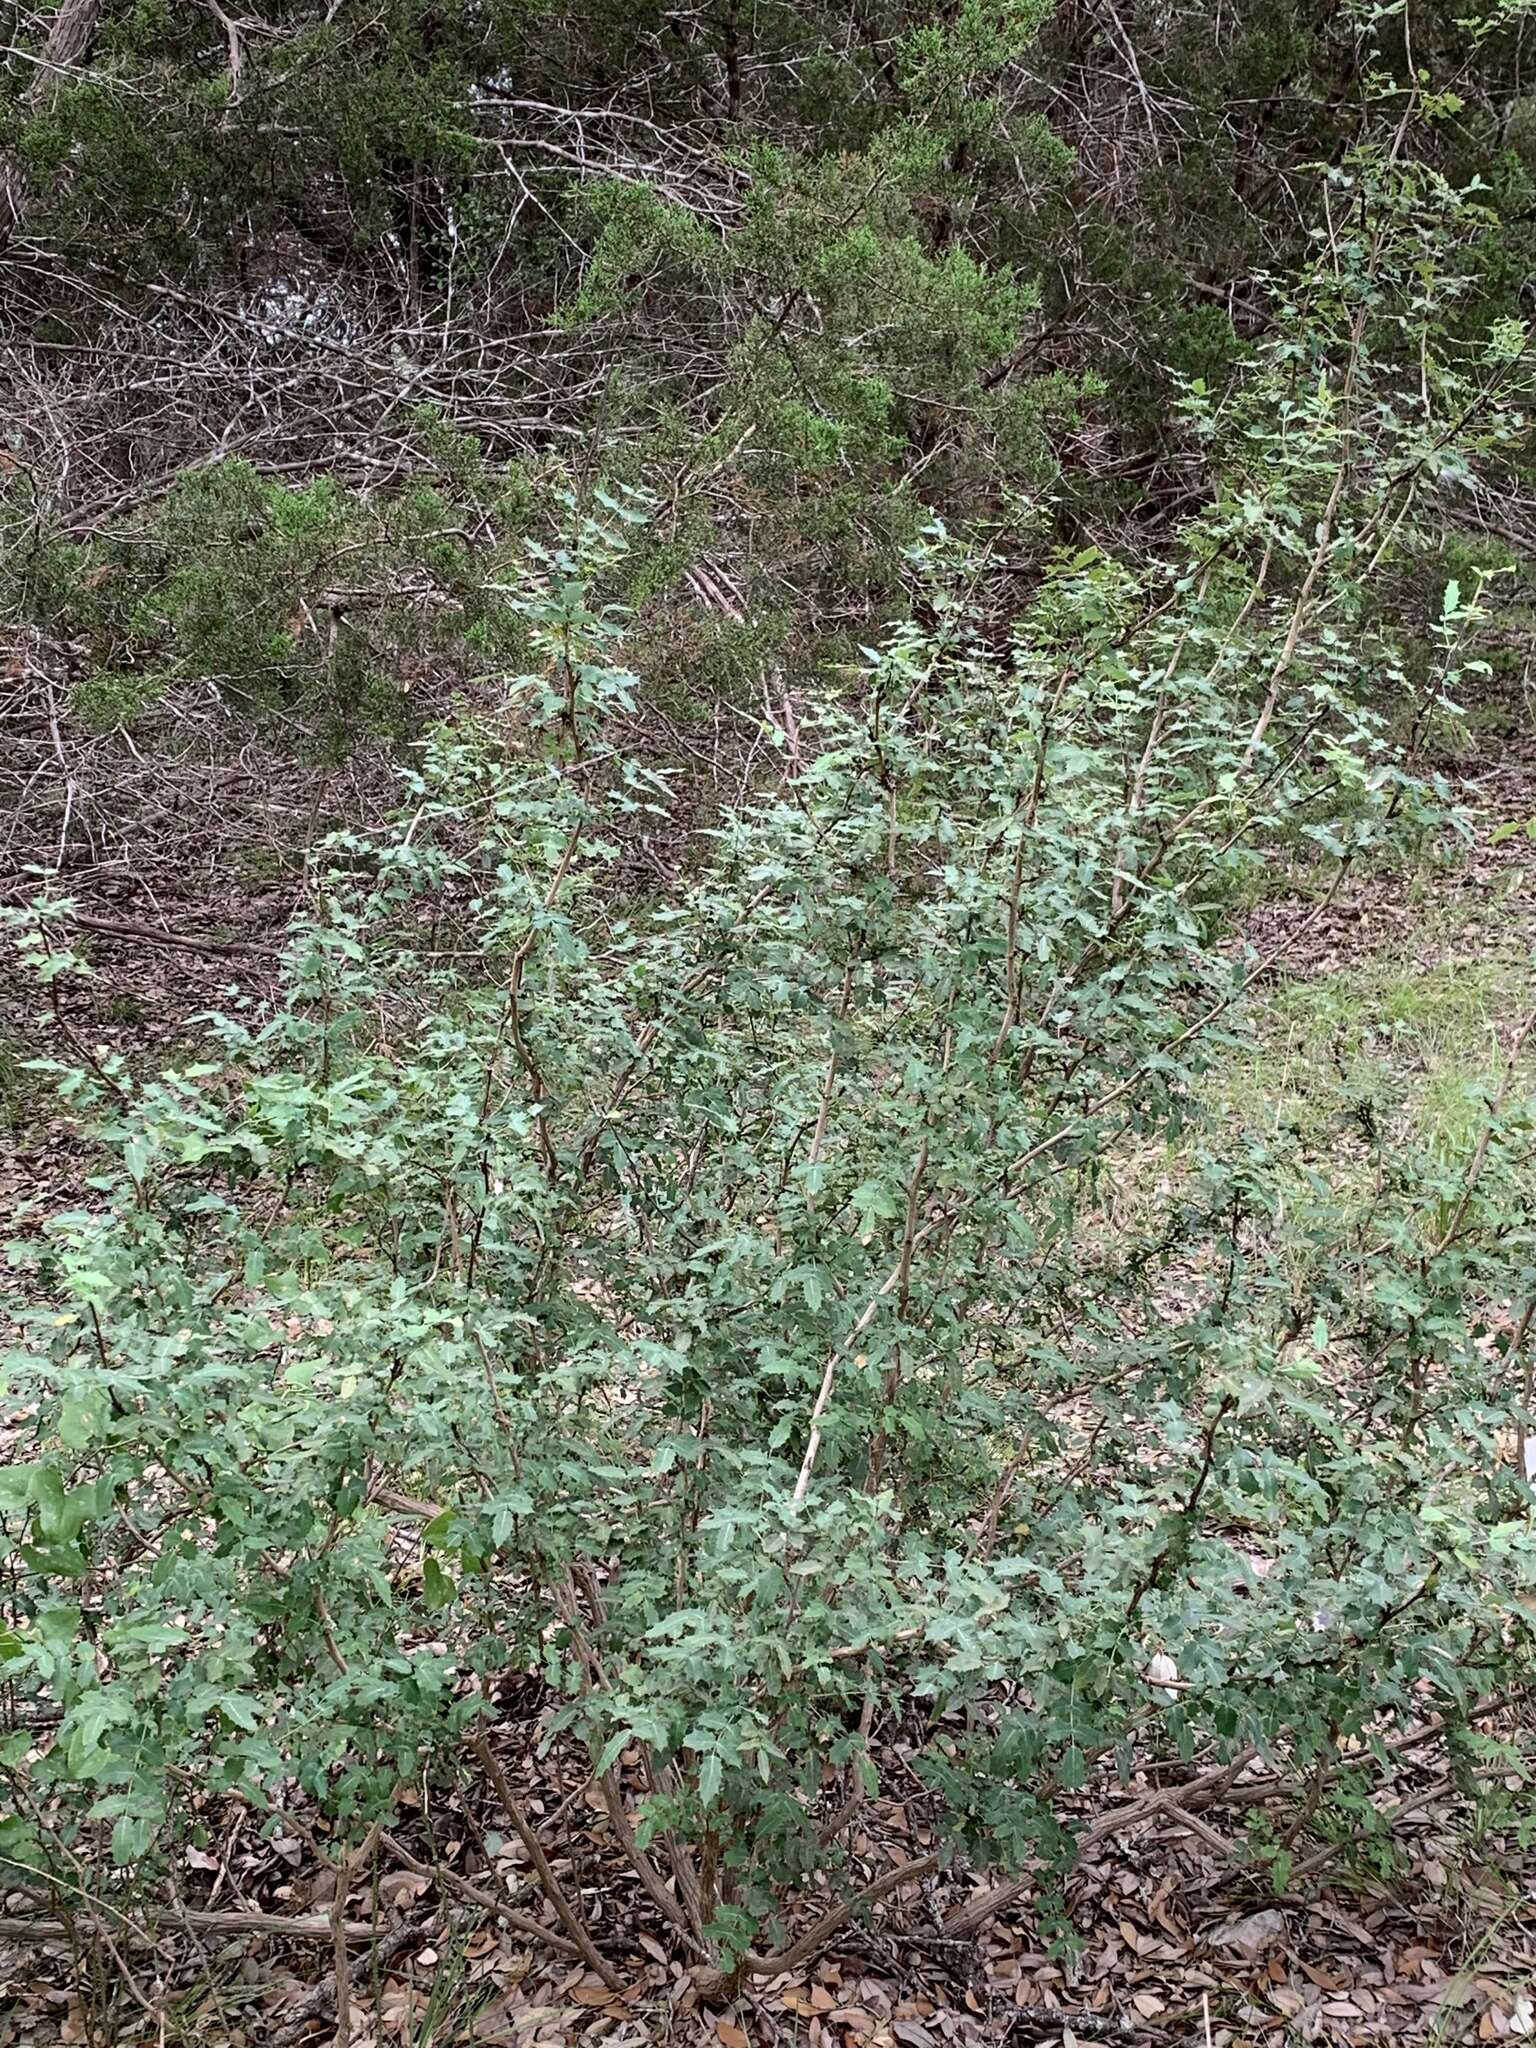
(872,1263)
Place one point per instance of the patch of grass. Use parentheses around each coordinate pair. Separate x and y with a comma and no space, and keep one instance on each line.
(1376,1048)
(123,1008)
(454,2003)
(1422,1014)
(256,864)
(1379,1039)
(20,1091)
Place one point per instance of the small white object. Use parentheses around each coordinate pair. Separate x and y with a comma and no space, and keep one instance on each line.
(1163,1671)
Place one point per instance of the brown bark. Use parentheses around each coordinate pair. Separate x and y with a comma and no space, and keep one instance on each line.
(69,41)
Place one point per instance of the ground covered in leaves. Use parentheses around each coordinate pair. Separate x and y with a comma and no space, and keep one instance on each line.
(1167,1936)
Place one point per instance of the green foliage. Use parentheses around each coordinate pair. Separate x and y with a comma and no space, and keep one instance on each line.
(723,1272)
(797,309)
(808,280)
(704,1308)
(303,598)
(107,699)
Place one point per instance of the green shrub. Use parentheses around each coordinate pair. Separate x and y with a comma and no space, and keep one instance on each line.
(106,698)
(315,600)
(689,1305)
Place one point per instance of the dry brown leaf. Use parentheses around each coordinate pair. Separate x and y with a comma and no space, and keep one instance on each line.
(1254,1936)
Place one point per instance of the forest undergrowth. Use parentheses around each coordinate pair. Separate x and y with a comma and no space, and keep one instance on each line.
(767,1054)
(1233,1919)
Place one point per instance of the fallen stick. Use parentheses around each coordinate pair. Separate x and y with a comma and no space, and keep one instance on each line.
(974,1915)
(187,941)
(1036,2020)
(321,2001)
(275,1926)
(520,1923)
